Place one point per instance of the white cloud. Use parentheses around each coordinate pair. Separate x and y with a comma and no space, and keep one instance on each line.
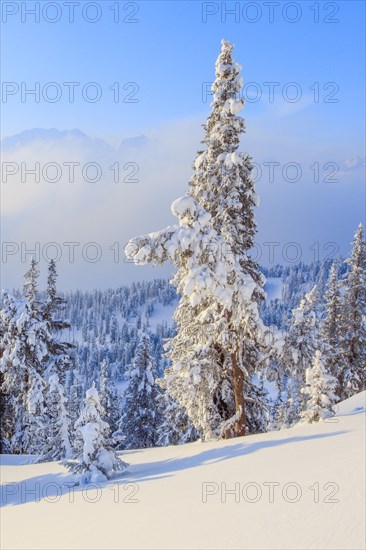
(105,212)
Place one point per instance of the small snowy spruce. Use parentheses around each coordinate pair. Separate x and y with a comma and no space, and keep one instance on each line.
(140,420)
(320,390)
(297,355)
(109,399)
(57,437)
(95,460)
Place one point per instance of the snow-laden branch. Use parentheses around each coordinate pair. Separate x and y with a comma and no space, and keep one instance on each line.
(211,268)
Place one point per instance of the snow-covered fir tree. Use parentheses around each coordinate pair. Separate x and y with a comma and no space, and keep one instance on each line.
(140,419)
(320,391)
(331,326)
(22,363)
(301,343)
(54,305)
(353,336)
(202,281)
(175,427)
(30,286)
(222,181)
(95,460)
(32,352)
(35,417)
(74,399)
(222,184)
(281,413)
(109,398)
(8,331)
(6,421)
(56,444)
(216,350)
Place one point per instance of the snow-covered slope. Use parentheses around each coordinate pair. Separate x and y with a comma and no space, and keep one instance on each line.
(273,288)
(297,488)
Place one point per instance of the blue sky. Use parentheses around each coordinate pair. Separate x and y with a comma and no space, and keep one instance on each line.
(169,53)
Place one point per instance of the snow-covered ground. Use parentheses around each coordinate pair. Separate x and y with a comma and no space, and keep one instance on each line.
(297,488)
(162,313)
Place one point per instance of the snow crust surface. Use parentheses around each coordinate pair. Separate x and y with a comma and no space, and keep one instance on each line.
(203,495)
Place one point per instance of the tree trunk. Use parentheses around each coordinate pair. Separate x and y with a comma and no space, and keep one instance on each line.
(236,429)
(238,382)
(235,426)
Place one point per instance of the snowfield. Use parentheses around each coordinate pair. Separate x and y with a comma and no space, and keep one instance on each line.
(298,488)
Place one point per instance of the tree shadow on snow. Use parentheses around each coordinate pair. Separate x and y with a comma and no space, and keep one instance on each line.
(52,487)
(357,410)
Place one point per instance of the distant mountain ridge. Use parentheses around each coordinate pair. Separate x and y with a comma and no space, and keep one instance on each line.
(53,135)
